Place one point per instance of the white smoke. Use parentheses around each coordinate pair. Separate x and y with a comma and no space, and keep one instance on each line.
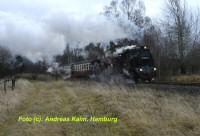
(29,37)
(48,35)
(85,29)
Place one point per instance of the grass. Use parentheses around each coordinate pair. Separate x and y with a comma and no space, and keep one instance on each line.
(141,111)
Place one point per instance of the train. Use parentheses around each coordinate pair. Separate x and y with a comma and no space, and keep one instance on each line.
(133,62)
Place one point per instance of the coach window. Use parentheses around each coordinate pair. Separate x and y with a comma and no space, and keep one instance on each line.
(87,66)
(81,67)
(76,67)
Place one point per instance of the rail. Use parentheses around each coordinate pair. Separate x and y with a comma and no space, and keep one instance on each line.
(174,83)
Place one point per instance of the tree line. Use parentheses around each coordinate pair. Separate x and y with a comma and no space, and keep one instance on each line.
(10,64)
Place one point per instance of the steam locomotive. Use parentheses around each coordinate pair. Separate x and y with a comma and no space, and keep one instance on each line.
(134,62)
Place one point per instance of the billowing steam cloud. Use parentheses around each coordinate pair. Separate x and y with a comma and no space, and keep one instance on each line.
(83,29)
(29,37)
(47,36)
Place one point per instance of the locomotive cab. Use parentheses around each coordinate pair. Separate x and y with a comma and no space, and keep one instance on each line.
(146,69)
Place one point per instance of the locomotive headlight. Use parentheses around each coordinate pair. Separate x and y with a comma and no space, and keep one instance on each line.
(140,69)
(154,69)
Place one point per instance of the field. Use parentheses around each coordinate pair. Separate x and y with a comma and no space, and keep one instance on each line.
(141,110)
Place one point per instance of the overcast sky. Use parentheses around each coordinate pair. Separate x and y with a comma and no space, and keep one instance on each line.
(40,7)
(37,28)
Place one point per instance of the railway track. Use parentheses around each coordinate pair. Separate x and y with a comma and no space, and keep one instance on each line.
(175,84)
(119,79)
(172,87)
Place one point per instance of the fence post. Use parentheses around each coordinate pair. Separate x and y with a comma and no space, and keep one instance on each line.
(5,86)
(13,83)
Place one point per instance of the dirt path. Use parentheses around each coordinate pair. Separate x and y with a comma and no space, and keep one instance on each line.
(56,99)
(13,114)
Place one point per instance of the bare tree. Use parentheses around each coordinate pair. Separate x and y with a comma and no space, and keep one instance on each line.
(5,55)
(195,28)
(128,7)
(132,10)
(94,51)
(112,9)
(178,26)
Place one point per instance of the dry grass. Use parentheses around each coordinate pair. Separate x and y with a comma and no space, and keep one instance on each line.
(141,111)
